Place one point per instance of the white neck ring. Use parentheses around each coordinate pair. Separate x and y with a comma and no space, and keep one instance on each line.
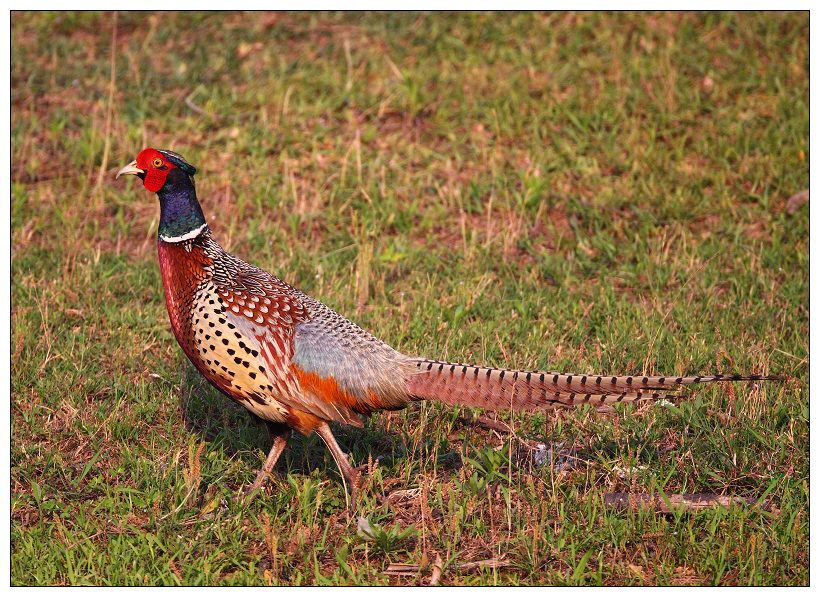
(183,237)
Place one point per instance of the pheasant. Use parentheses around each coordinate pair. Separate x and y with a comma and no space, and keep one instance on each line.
(297,364)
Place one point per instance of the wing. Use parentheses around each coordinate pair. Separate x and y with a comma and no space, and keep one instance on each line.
(368,374)
(312,359)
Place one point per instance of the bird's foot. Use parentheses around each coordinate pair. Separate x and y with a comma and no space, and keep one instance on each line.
(280,440)
(249,491)
(258,484)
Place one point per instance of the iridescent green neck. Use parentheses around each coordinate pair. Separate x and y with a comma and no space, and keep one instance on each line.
(180,214)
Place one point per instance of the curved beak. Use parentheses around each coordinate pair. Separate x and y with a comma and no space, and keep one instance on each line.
(129,169)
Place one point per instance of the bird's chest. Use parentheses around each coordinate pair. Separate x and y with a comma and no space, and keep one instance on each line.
(184,272)
(213,338)
(233,354)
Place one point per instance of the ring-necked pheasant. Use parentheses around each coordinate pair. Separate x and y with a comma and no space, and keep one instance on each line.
(297,364)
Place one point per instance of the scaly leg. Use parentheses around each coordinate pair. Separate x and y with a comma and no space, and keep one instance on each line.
(349,474)
(279,434)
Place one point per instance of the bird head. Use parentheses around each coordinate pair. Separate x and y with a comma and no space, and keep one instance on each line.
(154,165)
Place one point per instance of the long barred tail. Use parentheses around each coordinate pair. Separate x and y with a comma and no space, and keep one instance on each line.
(471,385)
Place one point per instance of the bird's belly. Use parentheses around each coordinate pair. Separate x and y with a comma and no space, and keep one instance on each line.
(230,360)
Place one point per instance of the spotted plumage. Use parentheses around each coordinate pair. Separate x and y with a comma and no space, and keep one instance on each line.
(270,347)
(297,364)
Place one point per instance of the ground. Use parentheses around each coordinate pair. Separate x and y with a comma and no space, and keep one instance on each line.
(583,192)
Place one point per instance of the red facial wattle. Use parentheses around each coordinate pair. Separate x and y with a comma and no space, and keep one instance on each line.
(156,168)
(155,179)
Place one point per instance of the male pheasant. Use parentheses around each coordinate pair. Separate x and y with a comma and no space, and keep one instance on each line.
(297,364)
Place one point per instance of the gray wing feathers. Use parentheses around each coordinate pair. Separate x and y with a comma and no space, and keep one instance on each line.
(331,346)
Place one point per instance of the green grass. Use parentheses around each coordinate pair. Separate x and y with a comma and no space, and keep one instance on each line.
(593,192)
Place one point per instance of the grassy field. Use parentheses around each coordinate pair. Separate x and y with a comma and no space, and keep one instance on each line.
(584,192)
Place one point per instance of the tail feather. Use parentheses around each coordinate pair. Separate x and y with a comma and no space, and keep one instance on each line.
(472,385)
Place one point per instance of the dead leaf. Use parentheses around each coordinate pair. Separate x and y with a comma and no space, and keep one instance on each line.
(796,201)
(707,85)
(436,575)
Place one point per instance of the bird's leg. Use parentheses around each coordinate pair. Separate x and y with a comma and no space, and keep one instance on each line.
(349,474)
(279,434)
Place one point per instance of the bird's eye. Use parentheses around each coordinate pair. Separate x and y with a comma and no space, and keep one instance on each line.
(157,162)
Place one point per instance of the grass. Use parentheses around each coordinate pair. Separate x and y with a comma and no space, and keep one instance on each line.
(586,192)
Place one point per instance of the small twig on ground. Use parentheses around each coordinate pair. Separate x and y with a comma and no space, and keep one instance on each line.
(413,569)
(687,501)
(485,422)
(493,563)
(493,425)
(402,569)
(81,541)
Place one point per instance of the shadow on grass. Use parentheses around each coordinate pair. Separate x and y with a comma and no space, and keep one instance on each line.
(241,435)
